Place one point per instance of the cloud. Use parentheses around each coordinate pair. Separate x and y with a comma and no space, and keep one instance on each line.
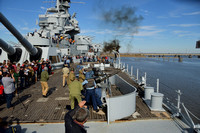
(179,31)
(162,17)
(24,22)
(8,33)
(146,12)
(106,31)
(192,13)
(95,17)
(148,33)
(43,8)
(147,27)
(174,15)
(184,25)
(2,27)
(87,31)
(27,29)
(24,28)
(98,31)
(24,10)
(143,31)
(188,35)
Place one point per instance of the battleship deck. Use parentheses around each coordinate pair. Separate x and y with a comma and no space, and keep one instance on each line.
(31,107)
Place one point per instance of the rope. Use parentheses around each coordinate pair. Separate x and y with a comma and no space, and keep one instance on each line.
(152,77)
(187,121)
(166,85)
(192,114)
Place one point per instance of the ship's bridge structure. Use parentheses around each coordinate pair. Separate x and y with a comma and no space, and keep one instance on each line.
(58,21)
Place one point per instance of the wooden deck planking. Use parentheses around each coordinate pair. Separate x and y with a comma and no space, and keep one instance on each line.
(54,109)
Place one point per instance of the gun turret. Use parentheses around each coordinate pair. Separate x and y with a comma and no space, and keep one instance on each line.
(13,54)
(35,53)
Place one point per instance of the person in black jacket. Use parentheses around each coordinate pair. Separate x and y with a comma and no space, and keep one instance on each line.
(75,119)
(21,75)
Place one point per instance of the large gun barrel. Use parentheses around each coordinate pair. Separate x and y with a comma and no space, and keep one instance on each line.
(9,49)
(14,54)
(29,47)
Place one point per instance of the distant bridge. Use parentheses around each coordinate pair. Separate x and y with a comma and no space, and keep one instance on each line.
(171,54)
(155,55)
(163,55)
(189,55)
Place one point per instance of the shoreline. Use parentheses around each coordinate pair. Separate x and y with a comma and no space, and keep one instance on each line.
(156,55)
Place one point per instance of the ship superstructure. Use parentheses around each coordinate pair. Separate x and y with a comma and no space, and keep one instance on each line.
(56,37)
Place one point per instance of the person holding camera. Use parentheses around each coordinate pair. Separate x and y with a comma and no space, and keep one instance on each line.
(8,81)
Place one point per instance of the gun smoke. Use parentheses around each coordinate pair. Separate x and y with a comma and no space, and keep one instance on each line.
(123,19)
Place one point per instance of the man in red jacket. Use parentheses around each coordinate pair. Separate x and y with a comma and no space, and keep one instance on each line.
(1,93)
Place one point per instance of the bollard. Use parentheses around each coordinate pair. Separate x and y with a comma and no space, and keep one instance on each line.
(127,68)
(156,101)
(147,92)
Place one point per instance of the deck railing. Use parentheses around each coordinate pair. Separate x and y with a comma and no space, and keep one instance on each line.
(174,109)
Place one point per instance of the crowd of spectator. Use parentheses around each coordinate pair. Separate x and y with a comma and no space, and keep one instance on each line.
(81,87)
(24,74)
(94,58)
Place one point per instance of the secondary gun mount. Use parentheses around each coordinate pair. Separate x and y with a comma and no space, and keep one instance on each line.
(35,53)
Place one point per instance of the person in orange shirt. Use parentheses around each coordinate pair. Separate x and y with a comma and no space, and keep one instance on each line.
(70,40)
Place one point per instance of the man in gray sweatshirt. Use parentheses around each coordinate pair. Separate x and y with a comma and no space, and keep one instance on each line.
(8,83)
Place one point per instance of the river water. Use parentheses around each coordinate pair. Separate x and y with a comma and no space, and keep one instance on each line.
(173,75)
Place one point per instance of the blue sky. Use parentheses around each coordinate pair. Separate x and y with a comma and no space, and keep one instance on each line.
(169,26)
